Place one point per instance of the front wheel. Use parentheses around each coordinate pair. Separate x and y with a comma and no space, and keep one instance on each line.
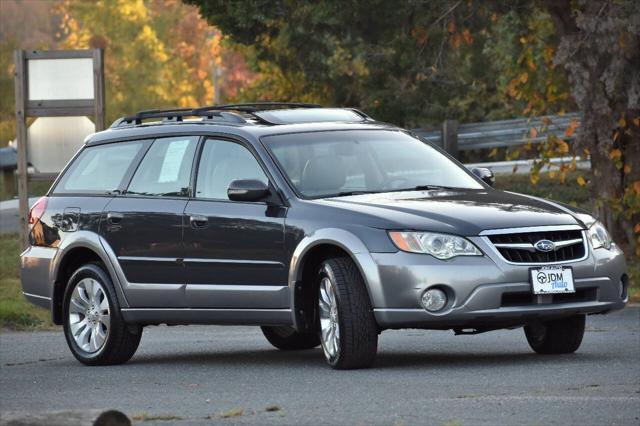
(348,329)
(93,326)
(561,336)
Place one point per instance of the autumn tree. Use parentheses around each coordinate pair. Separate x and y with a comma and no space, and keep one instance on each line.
(158,53)
(600,50)
(25,24)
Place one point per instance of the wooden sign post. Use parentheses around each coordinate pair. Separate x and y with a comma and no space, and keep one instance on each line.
(54,83)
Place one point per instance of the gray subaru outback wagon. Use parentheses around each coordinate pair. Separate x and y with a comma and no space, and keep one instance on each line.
(321,225)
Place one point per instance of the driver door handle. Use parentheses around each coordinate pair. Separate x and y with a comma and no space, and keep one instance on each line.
(114,218)
(198,221)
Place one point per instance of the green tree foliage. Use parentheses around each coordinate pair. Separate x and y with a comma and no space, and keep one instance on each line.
(521,47)
(417,63)
(412,63)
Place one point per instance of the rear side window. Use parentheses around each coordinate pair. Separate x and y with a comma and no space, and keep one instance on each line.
(165,169)
(99,169)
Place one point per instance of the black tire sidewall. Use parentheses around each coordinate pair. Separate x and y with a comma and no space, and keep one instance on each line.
(326,271)
(97,273)
(281,332)
(536,336)
(288,339)
(560,336)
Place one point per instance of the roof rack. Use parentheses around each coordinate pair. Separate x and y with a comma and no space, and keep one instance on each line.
(152,112)
(224,112)
(255,106)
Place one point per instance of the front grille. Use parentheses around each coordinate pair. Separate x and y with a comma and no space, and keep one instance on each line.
(519,247)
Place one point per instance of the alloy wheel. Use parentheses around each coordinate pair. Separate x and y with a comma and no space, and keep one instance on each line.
(329,324)
(89,317)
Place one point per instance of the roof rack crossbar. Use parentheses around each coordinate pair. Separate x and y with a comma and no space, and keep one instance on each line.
(223,111)
(171,116)
(155,111)
(255,106)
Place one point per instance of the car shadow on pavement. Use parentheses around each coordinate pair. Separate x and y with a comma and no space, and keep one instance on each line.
(399,360)
(268,357)
(478,360)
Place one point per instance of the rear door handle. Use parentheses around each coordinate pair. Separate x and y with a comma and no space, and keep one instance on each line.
(115,218)
(198,221)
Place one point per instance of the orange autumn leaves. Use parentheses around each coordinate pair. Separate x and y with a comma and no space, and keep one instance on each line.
(161,50)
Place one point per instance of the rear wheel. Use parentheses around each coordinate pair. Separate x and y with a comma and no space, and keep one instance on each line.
(288,339)
(93,326)
(561,336)
(348,329)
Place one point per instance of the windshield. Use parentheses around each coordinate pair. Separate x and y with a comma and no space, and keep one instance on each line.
(334,163)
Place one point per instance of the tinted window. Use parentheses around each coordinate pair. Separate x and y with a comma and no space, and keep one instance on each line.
(324,164)
(99,169)
(221,163)
(165,169)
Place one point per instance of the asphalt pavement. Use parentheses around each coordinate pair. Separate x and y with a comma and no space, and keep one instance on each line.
(231,375)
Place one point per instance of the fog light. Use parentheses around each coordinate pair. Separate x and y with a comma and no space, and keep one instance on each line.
(434,300)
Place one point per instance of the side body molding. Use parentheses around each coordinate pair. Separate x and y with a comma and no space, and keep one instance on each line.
(347,241)
(95,243)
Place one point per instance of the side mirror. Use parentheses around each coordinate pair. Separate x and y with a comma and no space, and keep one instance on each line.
(247,190)
(485,174)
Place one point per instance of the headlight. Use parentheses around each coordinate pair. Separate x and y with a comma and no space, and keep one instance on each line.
(599,236)
(441,246)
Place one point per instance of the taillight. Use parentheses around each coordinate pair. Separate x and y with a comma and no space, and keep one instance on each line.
(37,210)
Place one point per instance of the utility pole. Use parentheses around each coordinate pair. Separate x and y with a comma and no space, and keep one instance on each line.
(216,75)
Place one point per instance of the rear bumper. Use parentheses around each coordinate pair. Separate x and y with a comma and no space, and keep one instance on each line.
(35,274)
(485,291)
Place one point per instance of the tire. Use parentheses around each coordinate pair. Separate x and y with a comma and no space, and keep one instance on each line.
(287,339)
(105,339)
(344,309)
(561,336)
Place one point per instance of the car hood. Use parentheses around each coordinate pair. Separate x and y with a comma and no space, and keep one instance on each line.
(464,212)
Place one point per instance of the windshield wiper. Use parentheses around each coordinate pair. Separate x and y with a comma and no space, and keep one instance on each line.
(426,188)
(348,193)
(415,188)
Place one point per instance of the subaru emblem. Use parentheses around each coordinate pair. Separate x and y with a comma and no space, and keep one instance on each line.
(544,245)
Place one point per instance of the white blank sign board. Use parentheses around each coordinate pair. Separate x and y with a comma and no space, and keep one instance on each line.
(55,79)
(52,141)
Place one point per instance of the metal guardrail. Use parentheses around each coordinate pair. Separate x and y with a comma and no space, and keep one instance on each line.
(493,134)
(522,167)
(503,133)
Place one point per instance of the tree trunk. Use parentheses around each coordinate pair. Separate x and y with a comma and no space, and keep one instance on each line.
(606,181)
(599,49)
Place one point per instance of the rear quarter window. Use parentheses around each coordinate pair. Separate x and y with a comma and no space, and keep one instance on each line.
(99,169)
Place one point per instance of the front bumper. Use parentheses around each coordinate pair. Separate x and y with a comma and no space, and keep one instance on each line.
(486,291)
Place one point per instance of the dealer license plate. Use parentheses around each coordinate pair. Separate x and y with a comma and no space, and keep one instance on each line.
(552,279)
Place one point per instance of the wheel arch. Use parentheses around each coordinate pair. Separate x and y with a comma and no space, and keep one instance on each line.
(81,248)
(306,259)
